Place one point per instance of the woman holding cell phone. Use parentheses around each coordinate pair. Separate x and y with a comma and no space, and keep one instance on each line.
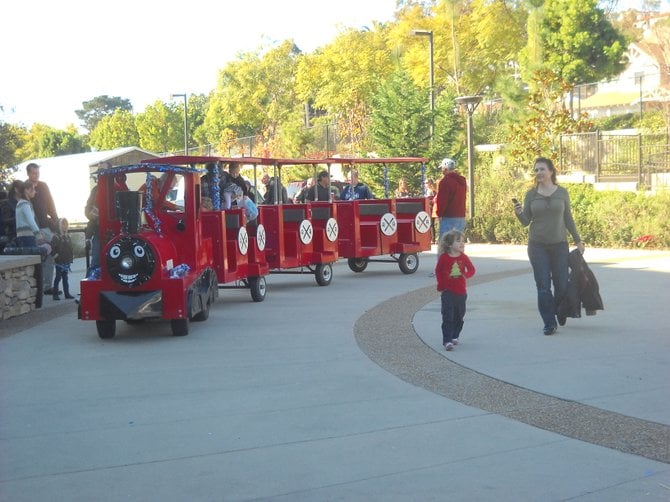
(546,210)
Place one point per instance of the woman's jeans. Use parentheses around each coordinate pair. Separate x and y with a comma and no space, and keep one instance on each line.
(550,264)
(27,241)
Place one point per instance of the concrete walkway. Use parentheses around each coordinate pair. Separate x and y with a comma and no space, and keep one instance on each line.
(345,393)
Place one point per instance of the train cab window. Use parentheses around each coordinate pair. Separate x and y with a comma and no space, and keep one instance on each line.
(175,194)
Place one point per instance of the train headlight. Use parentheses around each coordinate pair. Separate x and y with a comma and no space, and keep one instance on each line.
(130,261)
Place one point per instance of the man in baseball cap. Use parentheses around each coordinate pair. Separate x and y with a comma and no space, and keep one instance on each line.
(448,164)
(450,198)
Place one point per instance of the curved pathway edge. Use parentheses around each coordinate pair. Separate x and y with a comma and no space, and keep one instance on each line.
(386,335)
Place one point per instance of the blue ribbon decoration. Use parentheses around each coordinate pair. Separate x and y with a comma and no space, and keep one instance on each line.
(149,206)
(179,271)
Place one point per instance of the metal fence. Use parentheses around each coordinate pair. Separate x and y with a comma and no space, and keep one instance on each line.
(316,142)
(644,159)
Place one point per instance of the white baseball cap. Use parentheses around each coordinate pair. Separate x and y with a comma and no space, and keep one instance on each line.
(448,164)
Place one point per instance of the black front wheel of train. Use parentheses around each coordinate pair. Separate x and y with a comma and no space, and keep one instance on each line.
(179,327)
(203,315)
(106,329)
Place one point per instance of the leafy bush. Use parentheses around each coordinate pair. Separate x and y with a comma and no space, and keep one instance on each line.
(604,218)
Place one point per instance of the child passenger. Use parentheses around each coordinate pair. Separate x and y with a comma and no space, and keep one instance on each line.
(452,269)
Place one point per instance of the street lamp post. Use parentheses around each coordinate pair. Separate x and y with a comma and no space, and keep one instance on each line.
(429,34)
(469,103)
(172,96)
(639,75)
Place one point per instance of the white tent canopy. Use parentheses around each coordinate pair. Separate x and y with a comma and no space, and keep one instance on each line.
(69,176)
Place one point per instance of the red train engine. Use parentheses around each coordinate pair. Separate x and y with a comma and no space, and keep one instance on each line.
(154,261)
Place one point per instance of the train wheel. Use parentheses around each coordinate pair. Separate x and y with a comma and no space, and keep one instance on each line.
(179,327)
(258,288)
(358,264)
(323,274)
(106,329)
(408,263)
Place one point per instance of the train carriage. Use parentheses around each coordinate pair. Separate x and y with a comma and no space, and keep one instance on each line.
(301,238)
(383,230)
(165,253)
(238,244)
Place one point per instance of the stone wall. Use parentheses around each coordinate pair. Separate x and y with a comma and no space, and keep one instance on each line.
(18,287)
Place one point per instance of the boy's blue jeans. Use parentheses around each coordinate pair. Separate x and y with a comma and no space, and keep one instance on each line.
(453,312)
(550,264)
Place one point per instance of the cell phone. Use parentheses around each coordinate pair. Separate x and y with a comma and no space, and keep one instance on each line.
(515,201)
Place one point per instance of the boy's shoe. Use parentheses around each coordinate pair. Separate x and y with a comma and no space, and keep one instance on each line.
(56,297)
(448,346)
(69,297)
(550,331)
(455,341)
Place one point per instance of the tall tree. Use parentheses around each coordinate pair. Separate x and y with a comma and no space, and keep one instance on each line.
(546,118)
(161,128)
(12,138)
(54,142)
(95,109)
(493,33)
(401,118)
(115,131)
(580,44)
(45,141)
(340,79)
(254,94)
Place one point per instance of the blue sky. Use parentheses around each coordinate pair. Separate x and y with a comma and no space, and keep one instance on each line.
(68,51)
(57,54)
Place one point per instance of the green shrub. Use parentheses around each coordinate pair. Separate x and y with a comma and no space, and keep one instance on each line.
(604,218)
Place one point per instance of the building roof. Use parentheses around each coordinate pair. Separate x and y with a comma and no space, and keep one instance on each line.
(90,159)
(610,98)
(69,176)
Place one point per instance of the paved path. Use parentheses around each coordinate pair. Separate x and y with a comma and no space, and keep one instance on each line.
(343,393)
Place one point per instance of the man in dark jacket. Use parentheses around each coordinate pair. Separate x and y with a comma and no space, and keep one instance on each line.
(322,188)
(273,185)
(47,219)
(450,198)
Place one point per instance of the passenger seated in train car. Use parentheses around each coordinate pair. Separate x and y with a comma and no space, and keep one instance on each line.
(120,184)
(323,191)
(207,183)
(300,196)
(234,169)
(269,182)
(356,189)
(158,202)
(230,191)
(403,191)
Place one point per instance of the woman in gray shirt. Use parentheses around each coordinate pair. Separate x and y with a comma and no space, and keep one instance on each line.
(546,208)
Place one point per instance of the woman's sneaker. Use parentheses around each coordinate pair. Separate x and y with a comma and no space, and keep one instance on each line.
(448,346)
(455,341)
(550,331)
